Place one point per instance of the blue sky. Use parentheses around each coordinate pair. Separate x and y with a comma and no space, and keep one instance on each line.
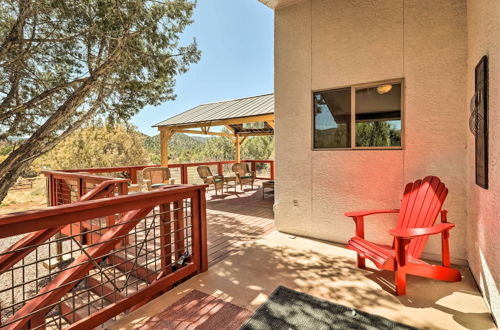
(236,40)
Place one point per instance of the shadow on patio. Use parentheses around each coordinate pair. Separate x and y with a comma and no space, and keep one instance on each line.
(236,218)
(248,260)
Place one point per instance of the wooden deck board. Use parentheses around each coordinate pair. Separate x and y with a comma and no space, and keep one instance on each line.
(236,218)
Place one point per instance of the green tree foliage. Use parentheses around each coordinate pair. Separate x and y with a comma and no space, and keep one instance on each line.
(181,148)
(64,62)
(376,134)
(258,148)
(97,146)
(190,149)
(216,149)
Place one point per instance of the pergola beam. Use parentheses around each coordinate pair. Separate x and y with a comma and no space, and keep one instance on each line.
(224,122)
(165,135)
(237,148)
(166,132)
(189,131)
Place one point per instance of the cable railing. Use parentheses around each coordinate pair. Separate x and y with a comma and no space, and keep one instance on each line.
(84,262)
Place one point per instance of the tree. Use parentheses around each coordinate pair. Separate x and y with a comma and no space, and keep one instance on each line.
(97,145)
(216,149)
(64,62)
(373,134)
(258,148)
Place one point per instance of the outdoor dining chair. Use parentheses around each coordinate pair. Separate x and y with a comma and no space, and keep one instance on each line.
(208,178)
(243,174)
(156,177)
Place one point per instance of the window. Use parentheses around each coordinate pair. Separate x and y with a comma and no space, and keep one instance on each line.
(367,116)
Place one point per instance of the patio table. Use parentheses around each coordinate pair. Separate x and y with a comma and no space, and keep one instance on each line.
(267,184)
(227,180)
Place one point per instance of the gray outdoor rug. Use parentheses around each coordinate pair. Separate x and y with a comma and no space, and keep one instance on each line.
(289,309)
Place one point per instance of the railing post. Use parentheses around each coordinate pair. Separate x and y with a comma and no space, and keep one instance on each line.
(80,188)
(203,229)
(50,190)
(133,175)
(165,238)
(254,166)
(272,170)
(184,174)
(220,170)
(199,223)
(179,228)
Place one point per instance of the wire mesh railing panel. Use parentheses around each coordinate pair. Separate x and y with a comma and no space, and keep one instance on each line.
(194,177)
(227,170)
(175,172)
(93,263)
(65,192)
(263,170)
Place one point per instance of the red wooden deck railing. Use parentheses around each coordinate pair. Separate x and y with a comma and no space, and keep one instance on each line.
(98,252)
(186,172)
(96,268)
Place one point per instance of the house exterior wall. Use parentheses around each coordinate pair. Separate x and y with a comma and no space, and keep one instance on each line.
(322,44)
(483,252)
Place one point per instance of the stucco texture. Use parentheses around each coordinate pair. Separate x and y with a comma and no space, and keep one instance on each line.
(483,17)
(322,44)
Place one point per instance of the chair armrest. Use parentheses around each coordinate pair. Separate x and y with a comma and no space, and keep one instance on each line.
(369,212)
(409,233)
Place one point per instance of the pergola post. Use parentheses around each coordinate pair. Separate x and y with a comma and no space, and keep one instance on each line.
(165,135)
(237,148)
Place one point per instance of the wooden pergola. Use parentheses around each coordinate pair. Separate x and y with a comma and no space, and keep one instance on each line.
(239,116)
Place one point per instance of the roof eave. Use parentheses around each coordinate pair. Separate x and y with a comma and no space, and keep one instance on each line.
(208,122)
(277,4)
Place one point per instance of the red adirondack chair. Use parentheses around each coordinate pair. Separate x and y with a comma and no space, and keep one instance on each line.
(421,204)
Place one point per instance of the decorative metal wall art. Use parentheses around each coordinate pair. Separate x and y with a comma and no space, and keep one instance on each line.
(478,121)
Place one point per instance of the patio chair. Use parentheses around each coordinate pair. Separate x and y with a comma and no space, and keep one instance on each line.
(156,177)
(208,178)
(243,174)
(421,204)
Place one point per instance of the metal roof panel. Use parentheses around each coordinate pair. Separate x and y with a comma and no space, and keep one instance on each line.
(245,107)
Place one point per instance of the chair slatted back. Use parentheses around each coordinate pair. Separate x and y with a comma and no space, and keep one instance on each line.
(241,168)
(421,204)
(204,171)
(156,174)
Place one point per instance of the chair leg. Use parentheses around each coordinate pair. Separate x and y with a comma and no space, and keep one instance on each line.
(401,261)
(361,262)
(400,281)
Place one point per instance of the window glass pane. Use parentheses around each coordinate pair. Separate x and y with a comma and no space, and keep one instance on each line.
(378,116)
(332,119)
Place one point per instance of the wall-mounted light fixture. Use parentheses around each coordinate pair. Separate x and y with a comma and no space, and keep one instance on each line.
(383,89)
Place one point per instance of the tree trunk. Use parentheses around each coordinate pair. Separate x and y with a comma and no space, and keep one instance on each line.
(41,141)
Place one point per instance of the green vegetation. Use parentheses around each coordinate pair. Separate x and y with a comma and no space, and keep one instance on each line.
(191,149)
(103,145)
(377,134)
(98,145)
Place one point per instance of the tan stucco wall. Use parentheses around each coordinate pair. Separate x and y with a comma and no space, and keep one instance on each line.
(331,43)
(483,20)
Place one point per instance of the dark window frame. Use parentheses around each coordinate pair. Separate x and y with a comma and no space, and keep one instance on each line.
(353,115)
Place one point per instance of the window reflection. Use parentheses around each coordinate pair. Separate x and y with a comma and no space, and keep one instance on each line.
(332,119)
(378,116)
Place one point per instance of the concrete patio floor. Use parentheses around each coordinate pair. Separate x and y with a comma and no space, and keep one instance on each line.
(248,276)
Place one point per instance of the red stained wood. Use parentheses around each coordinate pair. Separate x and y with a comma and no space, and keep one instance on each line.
(128,266)
(105,290)
(108,312)
(421,204)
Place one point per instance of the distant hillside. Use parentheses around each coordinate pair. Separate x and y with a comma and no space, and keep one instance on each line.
(180,147)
